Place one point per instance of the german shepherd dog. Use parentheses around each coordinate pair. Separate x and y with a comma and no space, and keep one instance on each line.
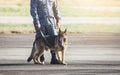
(55,42)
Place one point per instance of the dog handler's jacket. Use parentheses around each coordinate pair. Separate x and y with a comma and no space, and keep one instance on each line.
(44,12)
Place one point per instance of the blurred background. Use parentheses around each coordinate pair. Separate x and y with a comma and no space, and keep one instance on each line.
(77,16)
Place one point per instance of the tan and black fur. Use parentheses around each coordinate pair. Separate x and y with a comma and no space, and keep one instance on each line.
(55,42)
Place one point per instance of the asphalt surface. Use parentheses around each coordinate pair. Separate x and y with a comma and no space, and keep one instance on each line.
(64,20)
(87,54)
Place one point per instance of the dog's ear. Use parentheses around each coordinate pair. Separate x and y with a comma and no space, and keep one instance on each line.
(65,31)
(60,30)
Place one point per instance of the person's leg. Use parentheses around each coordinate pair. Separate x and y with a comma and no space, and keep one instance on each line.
(51,31)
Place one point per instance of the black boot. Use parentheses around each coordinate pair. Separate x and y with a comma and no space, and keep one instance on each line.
(42,59)
(54,59)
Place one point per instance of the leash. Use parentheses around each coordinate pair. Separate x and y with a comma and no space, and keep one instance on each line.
(45,39)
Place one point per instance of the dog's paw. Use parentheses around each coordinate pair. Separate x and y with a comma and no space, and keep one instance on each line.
(41,63)
(63,63)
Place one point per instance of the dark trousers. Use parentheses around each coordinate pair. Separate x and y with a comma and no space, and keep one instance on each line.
(47,30)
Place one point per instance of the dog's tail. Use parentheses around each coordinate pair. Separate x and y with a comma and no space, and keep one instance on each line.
(29,59)
(32,53)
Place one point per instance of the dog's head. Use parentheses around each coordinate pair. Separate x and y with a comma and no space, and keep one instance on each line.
(62,41)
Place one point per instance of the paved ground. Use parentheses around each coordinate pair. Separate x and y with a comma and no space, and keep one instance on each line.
(87,54)
(65,20)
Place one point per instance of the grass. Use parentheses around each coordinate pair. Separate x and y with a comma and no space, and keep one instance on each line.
(67,11)
(21,8)
(13,28)
(69,2)
(77,12)
(25,28)
(89,2)
(15,11)
(92,28)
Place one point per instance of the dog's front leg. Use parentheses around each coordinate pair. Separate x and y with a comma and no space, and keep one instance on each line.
(58,55)
(62,56)
(63,60)
(41,52)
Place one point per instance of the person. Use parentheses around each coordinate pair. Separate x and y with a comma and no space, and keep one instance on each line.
(46,18)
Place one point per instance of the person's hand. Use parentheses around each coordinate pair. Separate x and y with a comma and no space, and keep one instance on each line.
(37,26)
